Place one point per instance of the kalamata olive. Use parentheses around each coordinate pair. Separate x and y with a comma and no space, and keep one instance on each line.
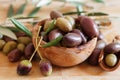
(29,49)
(88,26)
(93,59)
(7,39)
(77,31)
(112,48)
(111,60)
(54,34)
(20,34)
(72,40)
(24,67)
(14,55)
(64,25)
(55,14)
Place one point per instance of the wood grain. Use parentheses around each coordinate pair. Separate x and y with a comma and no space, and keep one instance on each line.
(80,72)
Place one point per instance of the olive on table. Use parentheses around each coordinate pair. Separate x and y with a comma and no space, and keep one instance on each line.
(24,67)
(93,59)
(14,55)
(24,40)
(9,46)
(2,43)
(29,49)
(64,25)
(77,31)
(88,26)
(111,60)
(112,48)
(54,34)
(71,40)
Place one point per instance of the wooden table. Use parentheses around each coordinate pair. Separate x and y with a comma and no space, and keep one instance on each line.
(80,72)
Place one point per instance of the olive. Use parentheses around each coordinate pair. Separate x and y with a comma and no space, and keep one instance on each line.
(20,34)
(45,37)
(77,31)
(55,14)
(24,67)
(21,47)
(29,49)
(64,25)
(54,34)
(112,48)
(7,39)
(14,55)
(72,40)
(24,40)
(111,60)
(93,59)
(45,67)
(9,46)
(47,24)
(2,43)
(71,20)
(88,26)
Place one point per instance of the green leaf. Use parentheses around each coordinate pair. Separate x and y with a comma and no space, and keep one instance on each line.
(50,28)
(21,27)
(21,9)
(53,42)
(7,32)
(101,1)
(79,9)
(97,14)
(34,11)
(72,13)
(10,11)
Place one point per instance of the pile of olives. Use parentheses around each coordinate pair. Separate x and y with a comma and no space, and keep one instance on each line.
(17,49)
(75,31)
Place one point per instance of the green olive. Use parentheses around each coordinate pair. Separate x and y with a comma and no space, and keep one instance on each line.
(21,47)
(71,20)
(47,24)
(2,43)
(63,24)
(24,40)
(111,60)
(9,46)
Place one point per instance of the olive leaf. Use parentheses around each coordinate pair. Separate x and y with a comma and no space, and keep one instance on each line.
(21,26)
(10,11)
(102,1)
(53,42)
(97,14)
(79,9)
(21,9)
(72,13)
(7,32)
(34,11)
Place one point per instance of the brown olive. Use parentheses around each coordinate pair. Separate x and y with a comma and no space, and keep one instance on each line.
(72,40)
(77,31)
(93,59)
(20,34)
(88,27)
(29,49)
(14,55)
(2,43)
(7,39)
(54,34)
(55,14)
(112,48)
(111,60)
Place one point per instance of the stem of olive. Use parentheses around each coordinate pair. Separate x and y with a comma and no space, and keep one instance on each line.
(37,45)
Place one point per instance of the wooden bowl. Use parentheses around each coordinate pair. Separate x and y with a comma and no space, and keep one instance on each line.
(63,56)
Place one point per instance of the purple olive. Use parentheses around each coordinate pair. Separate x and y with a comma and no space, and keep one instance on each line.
(54,34)
(88,26)
(77,31)
(24,67)
(72,40)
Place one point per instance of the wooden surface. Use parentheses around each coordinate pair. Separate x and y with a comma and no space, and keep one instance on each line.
(80,72)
